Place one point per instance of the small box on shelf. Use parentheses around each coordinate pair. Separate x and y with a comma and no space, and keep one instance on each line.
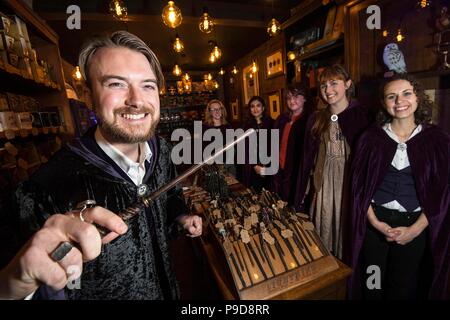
(7,121)
(4,106)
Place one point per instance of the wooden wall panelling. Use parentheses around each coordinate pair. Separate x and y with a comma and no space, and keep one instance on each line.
(266,85)
(232,88)
(364,48)
(352,40)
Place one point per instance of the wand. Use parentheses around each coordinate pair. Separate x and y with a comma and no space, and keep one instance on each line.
(63,249)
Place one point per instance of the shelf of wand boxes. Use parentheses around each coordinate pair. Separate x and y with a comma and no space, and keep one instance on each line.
(268,247)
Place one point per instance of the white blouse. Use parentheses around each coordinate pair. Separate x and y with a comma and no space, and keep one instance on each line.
(399,162)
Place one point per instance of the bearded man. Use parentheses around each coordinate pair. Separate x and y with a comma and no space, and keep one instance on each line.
(110,164)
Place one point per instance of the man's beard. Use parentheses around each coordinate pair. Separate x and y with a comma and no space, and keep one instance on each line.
(130,134)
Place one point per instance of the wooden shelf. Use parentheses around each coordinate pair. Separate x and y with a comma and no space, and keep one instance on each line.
(32,20)
(430,73)
(8,166)
(178,108)
(302,11)
(12,81)
(34,164)
(45,42)
(322,46)
(12,134)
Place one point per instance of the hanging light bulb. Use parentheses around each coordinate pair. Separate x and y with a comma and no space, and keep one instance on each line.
(273,28)
(176,70)
(209,76)
(422,4)
(206,24)
(216,84)
(400,37)
(118,9)
(212,57)
(171,15)
(291,55)
(254,67)
(178,45)
(76,74)
(385,33)
(235,70)
(217,52)
(221,71)
(187,83)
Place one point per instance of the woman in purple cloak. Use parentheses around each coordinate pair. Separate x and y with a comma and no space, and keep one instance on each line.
(400,200)
(330,136)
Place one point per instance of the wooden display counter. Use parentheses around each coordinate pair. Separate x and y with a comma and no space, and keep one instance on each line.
(331,286)
(242,228)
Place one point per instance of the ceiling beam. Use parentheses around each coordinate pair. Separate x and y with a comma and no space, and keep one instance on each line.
(57,16)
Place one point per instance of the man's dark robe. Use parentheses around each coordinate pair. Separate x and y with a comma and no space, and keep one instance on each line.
(247,175)
(352,121)
(284,182)
(136,265)
(429,157)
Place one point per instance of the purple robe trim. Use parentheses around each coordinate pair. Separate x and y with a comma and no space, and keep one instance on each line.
(429,156)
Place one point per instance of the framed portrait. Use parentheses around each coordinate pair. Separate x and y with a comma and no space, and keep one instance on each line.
(234,107)
(250,83)
(274,64)
(275,104)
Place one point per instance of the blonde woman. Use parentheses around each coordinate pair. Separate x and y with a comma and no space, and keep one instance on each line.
(216,115)
(216,118)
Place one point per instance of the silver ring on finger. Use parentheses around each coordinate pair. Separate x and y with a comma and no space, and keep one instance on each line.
(82,206)
(61,251)
(81,214)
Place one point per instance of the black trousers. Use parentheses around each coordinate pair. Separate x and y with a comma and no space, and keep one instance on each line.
(399,264)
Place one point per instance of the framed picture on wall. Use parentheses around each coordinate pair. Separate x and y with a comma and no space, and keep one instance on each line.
(250,83)
(274,64)
(235,109)
(275,104)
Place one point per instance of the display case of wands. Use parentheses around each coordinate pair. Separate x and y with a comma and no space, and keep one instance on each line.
(269,248)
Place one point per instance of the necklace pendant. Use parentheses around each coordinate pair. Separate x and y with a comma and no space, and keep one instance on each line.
(401,146)
(334,117)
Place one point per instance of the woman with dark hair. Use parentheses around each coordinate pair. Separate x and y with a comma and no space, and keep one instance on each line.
(330,135)
(252,174)
(401,198)
(291,127)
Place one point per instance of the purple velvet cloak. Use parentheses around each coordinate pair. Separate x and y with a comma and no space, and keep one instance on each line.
(429,156)
(284,182)
(352,121)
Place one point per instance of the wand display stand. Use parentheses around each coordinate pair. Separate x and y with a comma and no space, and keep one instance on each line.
(269,249)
